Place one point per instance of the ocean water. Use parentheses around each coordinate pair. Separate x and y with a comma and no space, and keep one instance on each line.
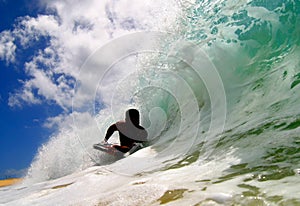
(219,95)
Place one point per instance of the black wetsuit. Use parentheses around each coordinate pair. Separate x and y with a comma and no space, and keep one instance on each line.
(128,134)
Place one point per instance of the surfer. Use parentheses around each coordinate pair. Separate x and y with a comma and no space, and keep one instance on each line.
(130,131)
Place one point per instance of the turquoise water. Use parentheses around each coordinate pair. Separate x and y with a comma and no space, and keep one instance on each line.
(259,41)
(255,47)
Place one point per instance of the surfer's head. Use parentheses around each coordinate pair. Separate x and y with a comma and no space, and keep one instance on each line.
(133,115)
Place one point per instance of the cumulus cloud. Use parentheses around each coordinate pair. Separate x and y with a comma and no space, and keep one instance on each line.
(7,47)
(26,94)
(73,30)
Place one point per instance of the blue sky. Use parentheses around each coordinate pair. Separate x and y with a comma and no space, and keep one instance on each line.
(40,55)
(22,130)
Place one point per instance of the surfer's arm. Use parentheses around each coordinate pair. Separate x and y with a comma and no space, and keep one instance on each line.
(110,131)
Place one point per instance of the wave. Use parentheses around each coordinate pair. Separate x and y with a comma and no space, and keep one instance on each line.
(254,47)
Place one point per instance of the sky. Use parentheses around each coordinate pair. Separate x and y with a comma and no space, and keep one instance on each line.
(22,130)
(43,45)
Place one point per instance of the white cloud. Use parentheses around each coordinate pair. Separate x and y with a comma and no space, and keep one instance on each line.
(30,29)
(26,94)
(74,30)
(14,173)
(52,122)
(7,47)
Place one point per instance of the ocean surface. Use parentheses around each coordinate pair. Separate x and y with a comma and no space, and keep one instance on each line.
(219,93)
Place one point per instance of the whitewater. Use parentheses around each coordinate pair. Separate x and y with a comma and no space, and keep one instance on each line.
(218,91)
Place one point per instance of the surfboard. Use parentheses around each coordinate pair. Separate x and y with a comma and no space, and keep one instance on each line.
(108,148)
(103,147)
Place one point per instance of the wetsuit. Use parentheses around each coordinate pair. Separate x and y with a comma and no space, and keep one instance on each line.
(128,134)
